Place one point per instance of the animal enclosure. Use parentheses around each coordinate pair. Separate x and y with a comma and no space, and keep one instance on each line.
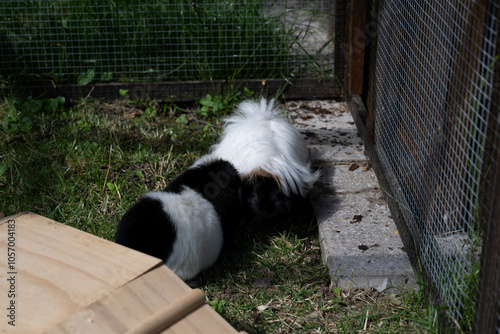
(91,42)
(432,135)
(427,72)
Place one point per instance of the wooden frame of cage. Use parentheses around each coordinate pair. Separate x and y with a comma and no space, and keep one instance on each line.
(185,91)
(487,311)
(360,95)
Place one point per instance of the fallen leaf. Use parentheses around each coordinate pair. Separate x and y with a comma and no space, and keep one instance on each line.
(316,110)
(356,219)
(365,247)
(262,307)
(313,315)
(309,134)
(130,115)
(353,167)
(288,243)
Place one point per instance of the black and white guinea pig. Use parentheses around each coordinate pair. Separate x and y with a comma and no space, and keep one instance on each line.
(186,223)
(271,157)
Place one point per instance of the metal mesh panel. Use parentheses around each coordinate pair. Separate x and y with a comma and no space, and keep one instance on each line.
(102,40)
(434,76)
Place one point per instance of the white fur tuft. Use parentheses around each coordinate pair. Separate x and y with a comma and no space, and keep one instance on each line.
(257,137)
(199,232)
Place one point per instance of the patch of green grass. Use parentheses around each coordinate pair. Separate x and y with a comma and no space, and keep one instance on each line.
(275,282)
(87,163)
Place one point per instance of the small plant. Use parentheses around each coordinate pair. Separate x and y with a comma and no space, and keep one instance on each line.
(182,119)
(53,104)
(17,120)
(210,106)
(218,305)
(222,102)
(21,113)
(106,76)
(123,92)
(86,78)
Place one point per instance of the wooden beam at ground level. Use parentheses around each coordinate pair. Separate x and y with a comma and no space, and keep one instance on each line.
(182,90)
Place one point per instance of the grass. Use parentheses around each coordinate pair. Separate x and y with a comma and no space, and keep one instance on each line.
(92,160)
(85,164)
(84,41)
(278,284)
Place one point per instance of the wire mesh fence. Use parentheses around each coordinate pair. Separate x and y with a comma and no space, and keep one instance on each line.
(431,104)
(69,41)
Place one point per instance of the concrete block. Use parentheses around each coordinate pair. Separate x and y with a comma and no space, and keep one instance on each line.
(359,240)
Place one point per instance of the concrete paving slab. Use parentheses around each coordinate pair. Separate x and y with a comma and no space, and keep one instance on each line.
(360,243)
(344,180)
(330,131)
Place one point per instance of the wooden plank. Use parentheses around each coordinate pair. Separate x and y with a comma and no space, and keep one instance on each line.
(357,45)
(372,30)
(183,90)
(140,300)
(169,314)
(461,111)
(358,113)
(59,270)
(491,133)
(339,28)
(488,298)
(487,306)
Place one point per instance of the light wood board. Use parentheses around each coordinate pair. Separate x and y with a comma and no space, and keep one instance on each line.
(60,270)
(140,300)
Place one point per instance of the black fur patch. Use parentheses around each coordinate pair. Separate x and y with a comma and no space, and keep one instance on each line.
(147,228)
(263,198)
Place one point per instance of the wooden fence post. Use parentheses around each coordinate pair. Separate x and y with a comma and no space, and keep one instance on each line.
(356,41)
(487,312)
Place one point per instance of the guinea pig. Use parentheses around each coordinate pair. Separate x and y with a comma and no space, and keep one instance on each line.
(186,223)
(271,157)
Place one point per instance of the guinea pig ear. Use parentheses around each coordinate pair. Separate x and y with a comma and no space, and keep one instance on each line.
(259,174)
